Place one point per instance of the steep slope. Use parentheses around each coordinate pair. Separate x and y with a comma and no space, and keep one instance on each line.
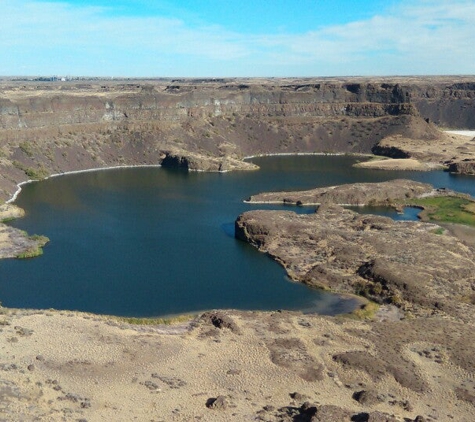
(48,128)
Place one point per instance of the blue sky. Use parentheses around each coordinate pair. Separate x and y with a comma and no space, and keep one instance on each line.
(198,38)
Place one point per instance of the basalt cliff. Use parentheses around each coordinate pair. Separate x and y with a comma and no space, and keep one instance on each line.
(211,125)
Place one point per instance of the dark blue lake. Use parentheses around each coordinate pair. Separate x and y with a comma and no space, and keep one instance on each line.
(154,242)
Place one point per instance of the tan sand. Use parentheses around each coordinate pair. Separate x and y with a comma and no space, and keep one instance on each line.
(69,366)
(398,164)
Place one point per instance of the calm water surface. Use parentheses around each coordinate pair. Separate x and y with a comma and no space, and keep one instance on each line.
(152,242)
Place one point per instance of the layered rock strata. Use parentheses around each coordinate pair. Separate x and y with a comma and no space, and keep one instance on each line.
(48,128)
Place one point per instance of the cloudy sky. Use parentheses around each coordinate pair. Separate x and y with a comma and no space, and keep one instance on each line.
(213,38)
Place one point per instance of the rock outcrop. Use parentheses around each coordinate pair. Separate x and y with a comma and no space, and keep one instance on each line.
(15,243)
(200,162)
(403,263)
(355,194)
(466,166)
(455,152)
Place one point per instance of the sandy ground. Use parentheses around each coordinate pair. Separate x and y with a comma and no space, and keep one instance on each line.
(57,366)
(398,164)
(468,133)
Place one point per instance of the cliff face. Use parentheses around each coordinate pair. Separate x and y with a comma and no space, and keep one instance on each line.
(50,128)
(52,105)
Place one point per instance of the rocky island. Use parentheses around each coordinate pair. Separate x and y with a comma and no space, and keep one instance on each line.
(406,355)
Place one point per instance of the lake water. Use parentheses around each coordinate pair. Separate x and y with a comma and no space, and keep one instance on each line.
(154,241)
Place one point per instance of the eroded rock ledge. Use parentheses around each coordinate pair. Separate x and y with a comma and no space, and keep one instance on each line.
(384,193)
(403,263)
(454,152)
(198,162)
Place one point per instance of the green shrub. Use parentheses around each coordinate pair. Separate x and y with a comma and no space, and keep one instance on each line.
(31,253)
(450,209)
(365,312)
(26,148)
(35,250)
(157,321)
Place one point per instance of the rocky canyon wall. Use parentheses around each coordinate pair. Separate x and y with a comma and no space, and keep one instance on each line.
(51,127)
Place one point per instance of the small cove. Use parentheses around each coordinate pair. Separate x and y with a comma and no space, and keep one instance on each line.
(154,242)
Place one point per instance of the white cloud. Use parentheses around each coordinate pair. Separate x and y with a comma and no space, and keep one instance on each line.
(424,36)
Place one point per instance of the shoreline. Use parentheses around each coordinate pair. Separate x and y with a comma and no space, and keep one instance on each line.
(249,157)
(279,154)
(293,204)
(19,185)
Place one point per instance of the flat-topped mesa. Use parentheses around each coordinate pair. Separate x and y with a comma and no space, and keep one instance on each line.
(356,194)
(445,101)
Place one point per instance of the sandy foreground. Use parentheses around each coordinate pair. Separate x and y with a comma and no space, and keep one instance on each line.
(69,366)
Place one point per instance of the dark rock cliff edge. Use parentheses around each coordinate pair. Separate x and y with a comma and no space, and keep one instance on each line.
(48,128)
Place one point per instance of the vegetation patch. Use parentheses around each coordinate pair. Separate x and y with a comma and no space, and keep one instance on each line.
(39,173)
(26,147)
(31,253)
(365,312)
(157,321)
(438,230)
(35,250)
(449,209)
